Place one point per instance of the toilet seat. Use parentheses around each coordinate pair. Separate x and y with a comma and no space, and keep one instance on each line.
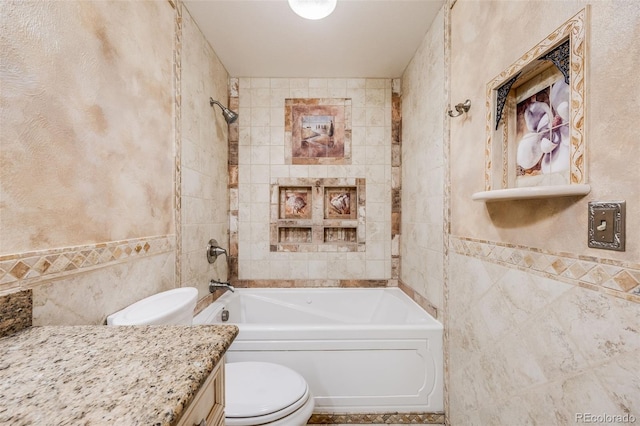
(258,393)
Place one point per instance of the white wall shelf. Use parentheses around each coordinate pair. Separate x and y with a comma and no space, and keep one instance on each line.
(529,192)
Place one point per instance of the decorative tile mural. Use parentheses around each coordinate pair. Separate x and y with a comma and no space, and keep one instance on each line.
(326,214)
(340,203)
(318,131)
(542,131)
(295,203)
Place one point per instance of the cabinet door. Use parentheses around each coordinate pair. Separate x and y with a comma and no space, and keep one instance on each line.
(207,408)
(216,415)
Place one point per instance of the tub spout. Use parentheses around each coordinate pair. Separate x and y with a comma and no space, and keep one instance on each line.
(215,284)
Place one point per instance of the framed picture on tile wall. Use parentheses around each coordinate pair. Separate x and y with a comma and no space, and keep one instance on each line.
(318,131)
(340,203)
(295,202)
(536,114)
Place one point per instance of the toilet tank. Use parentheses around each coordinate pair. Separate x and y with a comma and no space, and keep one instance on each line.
(172,307)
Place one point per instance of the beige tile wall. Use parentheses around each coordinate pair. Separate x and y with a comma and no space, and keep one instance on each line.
(423,168)
(204,150)
(261,161)
(530,349)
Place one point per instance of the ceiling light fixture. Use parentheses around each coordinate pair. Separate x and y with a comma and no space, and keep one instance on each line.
(313,9)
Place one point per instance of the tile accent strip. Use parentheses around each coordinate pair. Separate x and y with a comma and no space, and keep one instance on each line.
(377,418)
(21,269)
(396,176)
(419,299)
(446,134)
(15,312)
(177,86)
(612,277)
(307,283)
(234,138)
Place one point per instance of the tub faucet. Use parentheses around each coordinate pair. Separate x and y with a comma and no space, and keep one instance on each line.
(215,284)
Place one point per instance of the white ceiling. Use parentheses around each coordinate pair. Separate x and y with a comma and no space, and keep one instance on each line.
(362,38)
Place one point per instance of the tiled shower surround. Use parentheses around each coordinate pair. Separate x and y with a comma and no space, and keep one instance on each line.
(262,162)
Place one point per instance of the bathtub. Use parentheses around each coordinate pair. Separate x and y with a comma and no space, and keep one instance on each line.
(361,350)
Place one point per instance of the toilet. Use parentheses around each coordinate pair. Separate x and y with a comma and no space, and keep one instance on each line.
(256,393)
(264,393)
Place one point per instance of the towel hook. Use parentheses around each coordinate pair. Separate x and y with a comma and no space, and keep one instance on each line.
(461,109)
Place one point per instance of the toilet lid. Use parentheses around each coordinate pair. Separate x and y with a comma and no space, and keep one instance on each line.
(255,389)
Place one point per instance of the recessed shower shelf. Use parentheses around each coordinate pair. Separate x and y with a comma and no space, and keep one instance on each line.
(531,192)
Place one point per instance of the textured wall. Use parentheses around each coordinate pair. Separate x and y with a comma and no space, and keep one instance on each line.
(541,327)
(87,149)
(204,194)
(483,44)
(87,167)
(423,171)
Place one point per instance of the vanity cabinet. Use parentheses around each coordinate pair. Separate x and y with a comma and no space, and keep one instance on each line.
(207,408)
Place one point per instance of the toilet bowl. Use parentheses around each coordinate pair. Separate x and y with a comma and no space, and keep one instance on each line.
(256,393)
(263,393)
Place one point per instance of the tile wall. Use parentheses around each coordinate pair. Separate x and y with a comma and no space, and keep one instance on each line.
(261,162)
(204,201)
(424,224)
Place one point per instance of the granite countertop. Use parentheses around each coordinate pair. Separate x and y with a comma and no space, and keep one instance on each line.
(103,375)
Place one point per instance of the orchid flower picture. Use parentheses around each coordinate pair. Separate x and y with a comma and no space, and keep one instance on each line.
(543,131)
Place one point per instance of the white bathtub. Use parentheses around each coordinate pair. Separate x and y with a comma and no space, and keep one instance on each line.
(361,350)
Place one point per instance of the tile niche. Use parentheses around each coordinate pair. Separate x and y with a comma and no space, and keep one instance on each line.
(318,215)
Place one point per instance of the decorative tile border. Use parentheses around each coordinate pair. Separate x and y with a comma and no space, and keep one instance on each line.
(419,299)
(234,138)
(612,277)
(396,176)
(308,283)
(15,312)
(446,215)
(377,418)
(177,173)
(21,269)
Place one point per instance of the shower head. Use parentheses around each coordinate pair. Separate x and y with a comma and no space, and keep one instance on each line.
(229,115)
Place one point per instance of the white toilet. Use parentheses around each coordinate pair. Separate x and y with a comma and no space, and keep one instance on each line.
(263,393)
(256,393)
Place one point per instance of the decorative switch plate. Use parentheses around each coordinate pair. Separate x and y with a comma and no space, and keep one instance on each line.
(607,225)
